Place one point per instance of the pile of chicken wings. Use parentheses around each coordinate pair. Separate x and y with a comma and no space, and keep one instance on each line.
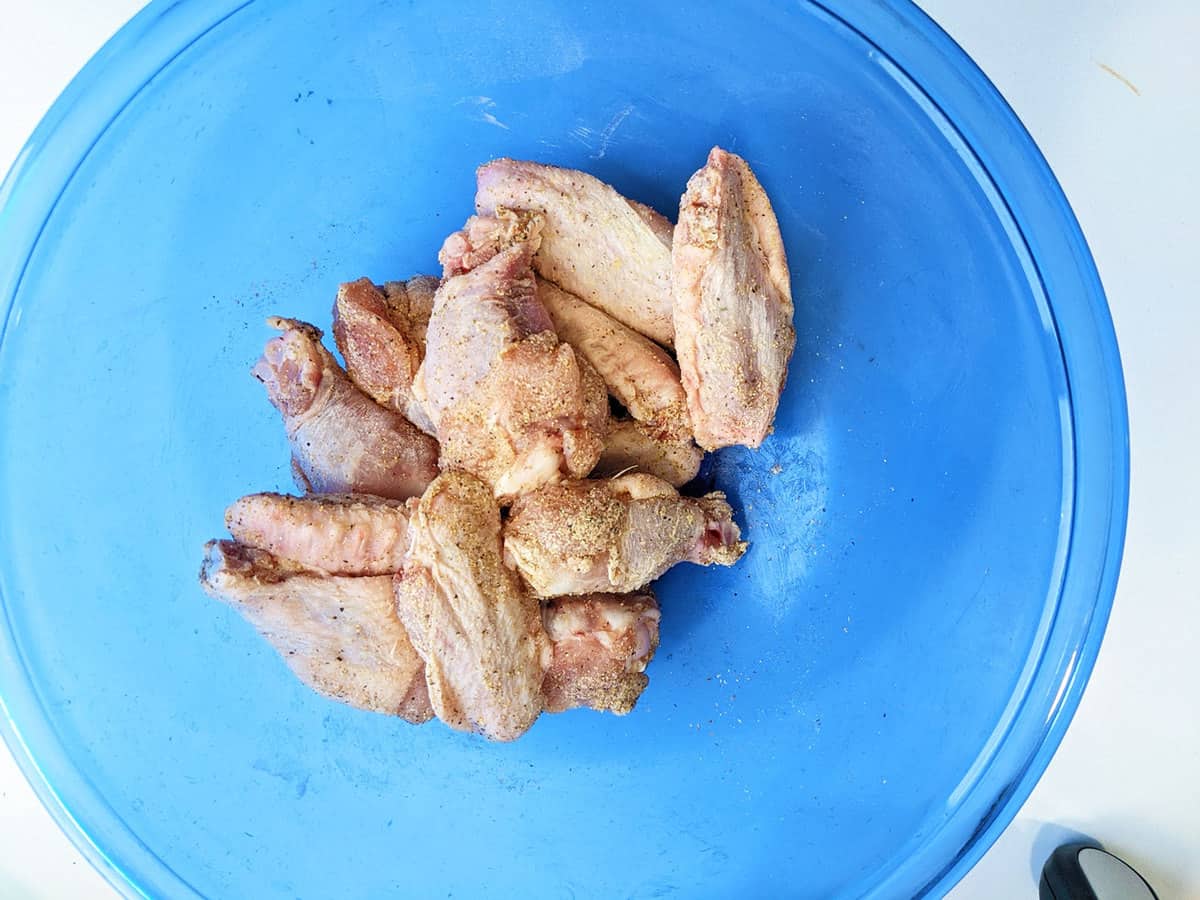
(490,481)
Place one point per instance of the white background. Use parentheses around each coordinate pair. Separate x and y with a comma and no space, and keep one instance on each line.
(1109,91)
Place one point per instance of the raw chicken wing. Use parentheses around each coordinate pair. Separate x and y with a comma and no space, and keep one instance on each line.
(511,403)
(615,535)
(733,304)
(381,335)
(639,373)
(631,446)
(601,643)
(343,534)
(340,636)
(595,243)
(485,236)
(470,619)
(659,224)
(601,646)
(342,440)
(410,303)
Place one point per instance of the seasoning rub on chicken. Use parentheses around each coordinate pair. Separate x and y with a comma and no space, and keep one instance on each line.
(615,535)
(490,485)
(732,304)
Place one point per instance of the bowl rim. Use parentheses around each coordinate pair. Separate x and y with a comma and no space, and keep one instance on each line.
(1099,436)
(956,88)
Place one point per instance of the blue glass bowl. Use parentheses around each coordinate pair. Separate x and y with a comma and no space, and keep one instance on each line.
(859,707)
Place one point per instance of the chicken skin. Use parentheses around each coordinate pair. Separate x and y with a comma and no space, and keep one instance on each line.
(410,303)
(606,250)
(733,304)
(637,372)
(485,236)
(631,446)
(511,404)
(656,221)
(601,644)
(342,534)
(343,636)
(490,477)
(381,336)
(469,617)
(342,440)
(615,535)
(643,378)
(340,636)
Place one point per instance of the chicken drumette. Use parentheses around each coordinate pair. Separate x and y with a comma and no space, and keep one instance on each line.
(601,644)
(615,535)
(344,634)
(511,404)
(342,440)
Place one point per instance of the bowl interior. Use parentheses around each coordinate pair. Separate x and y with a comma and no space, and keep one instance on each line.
(814,713)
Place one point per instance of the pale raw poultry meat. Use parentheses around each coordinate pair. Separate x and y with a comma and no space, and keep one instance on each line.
(290,562)
(476,316)
(381,336)
(631,446)
(605,249)
(639,374)
(643,378)
(342,441)
(511,404)
(602,644)
(733,304)
(485,236)
(340,636)
(658,223)
(397,589)
(468,616)
(342,534)
(410,304)
(615,535)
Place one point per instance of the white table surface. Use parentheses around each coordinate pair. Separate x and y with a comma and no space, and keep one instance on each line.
(1109,91)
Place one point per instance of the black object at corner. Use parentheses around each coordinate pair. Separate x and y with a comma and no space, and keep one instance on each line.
(1084,871)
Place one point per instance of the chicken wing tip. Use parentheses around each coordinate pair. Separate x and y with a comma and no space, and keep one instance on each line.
(216,558)
(283,323)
